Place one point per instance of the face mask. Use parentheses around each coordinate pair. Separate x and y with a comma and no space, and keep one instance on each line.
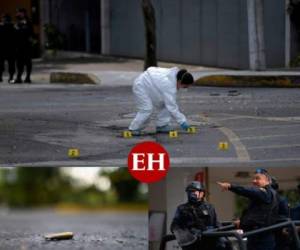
(192,197)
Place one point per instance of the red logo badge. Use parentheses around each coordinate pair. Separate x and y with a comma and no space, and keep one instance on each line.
(148,162)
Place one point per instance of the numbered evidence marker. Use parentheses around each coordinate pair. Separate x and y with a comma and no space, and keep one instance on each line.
(73,153)
(173,134)
(223,145)
(127,134)
(192,130)
(59,236)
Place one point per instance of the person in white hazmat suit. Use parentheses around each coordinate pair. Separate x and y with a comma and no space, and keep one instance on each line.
(156,88)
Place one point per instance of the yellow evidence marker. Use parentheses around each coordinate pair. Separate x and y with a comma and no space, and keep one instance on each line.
(192,130)
(223,145)
(127,134)
(59,236)
(73,153)
(173,134)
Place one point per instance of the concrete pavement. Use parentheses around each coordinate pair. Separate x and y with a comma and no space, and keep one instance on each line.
(41,122)
(26,229)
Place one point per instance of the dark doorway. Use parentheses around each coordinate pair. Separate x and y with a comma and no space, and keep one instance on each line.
(79,21)
(294,10)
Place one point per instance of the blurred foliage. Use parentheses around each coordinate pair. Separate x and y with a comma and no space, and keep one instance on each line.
(37,187)
(241,204)
(126,188)
(54,38)
(22,187)
(295,62)
(292,195)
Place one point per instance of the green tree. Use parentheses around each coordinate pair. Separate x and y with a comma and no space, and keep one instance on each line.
(27,187)
(125,186)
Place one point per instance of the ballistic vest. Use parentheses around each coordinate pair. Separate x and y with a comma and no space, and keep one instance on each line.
(261,214)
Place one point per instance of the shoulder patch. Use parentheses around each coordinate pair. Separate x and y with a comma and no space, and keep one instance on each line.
(263,189)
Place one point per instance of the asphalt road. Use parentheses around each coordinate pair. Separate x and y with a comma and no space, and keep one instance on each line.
(25,230)
(39,123)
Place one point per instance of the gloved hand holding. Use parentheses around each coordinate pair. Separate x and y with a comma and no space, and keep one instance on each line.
(184,126)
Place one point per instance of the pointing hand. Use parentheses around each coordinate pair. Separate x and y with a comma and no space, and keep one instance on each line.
(224,185)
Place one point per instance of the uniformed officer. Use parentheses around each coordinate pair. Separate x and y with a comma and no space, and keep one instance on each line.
(194,217)
(262,210)
(24,31)
(7,46)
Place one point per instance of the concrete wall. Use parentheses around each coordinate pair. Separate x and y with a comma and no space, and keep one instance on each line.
(127,28)
(275,32)
(206,32)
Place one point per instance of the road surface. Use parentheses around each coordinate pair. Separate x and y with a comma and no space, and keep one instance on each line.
(40,122)
(26,229)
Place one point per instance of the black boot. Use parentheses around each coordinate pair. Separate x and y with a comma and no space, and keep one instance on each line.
(27,79)
(18,80)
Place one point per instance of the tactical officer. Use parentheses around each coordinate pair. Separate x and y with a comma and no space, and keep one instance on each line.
(24,45)
(7,46)
(194,217)
(262,210)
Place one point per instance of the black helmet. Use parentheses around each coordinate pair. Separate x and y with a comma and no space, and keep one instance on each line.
(195,185)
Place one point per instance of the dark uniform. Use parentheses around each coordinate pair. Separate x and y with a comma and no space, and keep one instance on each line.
(24,49)
(295,212)
(7,47)
(261,212)
(194,217)
(283,206)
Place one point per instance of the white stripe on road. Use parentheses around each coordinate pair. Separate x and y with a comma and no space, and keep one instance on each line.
(259,137)
(279,126)
(267,118)
(197,161)
(240,149)
(175,162)
(274,146)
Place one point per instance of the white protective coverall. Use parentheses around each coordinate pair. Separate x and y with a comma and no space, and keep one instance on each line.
(156,87)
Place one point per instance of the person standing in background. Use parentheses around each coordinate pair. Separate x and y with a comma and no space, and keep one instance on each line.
(7,47)
(24,31)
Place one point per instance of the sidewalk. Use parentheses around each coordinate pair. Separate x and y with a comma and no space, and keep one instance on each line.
(94,70)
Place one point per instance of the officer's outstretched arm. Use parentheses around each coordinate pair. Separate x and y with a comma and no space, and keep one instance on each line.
(251,192)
